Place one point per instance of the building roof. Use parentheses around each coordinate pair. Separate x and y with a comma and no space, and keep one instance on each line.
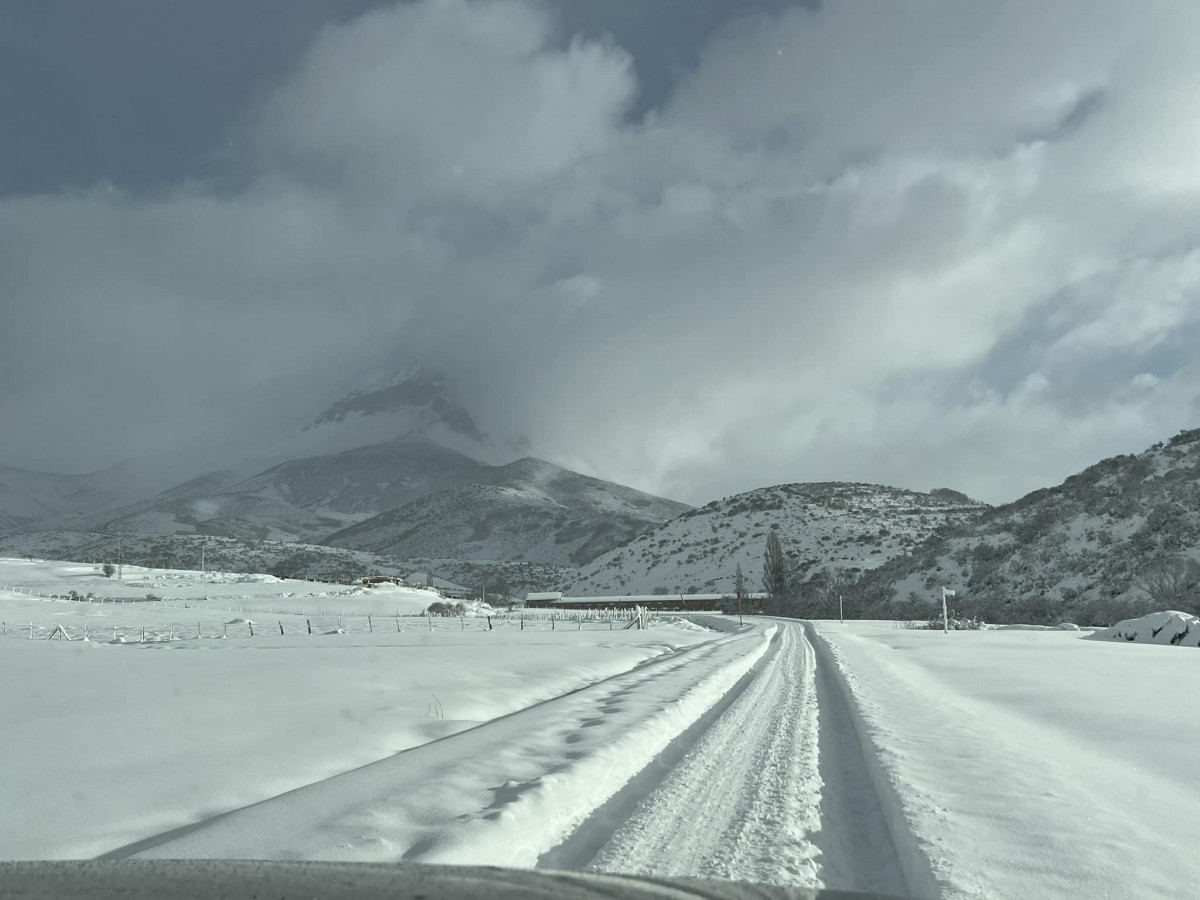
(644,598)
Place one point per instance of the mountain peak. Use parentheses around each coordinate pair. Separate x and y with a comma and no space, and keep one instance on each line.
(418,390)
(415,402)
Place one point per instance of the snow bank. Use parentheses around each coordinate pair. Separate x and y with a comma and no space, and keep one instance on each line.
(106,744)
(994,744)
(499,794)
(1169,627)
(727,624)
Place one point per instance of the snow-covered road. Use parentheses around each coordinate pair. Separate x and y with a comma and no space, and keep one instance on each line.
(770,787)
(750,776)
(735,758)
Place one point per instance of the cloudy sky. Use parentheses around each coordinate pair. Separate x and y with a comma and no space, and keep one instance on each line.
(695,246)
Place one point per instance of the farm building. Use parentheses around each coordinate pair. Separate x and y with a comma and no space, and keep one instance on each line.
(371,580)
(543,599)
(663,602)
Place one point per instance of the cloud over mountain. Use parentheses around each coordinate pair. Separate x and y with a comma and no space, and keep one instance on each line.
(856,243)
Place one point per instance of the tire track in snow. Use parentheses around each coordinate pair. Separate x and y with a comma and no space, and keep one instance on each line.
(582,845)
(857,851)
(647,667)
(499,793)
(743,803)
(865,840)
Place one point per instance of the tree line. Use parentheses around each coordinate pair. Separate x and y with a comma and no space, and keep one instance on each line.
(822,595)
(1166,583)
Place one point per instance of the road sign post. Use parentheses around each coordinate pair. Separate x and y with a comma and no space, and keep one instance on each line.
(946,592)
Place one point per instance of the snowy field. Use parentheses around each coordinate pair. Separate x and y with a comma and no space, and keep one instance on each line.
(255,592)
(107,744)
(1029,763)
(981,764)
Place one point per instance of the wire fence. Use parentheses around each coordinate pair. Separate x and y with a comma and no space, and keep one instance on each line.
(328,624)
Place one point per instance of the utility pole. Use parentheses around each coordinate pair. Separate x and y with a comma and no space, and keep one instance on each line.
(841,613)
(946,592)
(119,557)
(741,581)
(201,559)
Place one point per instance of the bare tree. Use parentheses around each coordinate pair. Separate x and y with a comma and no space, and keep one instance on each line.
(1173,583)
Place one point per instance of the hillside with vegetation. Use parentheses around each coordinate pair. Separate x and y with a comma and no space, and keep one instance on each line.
(842,526)
(1117,540)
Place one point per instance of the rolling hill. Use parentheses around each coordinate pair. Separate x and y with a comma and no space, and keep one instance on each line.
(849,526)
(1082,551)
(527,510)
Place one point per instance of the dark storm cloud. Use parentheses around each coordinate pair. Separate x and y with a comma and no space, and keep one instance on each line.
(139,92)
(862,242)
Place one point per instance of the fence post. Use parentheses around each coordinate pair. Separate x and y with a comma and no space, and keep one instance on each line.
(31,631)
(250,625)
(143,634)
(370,624)
(429,619)
(462,623)
(225,629)
(308,622)
(489,618)
(397,623)
(114,634)
(281,629)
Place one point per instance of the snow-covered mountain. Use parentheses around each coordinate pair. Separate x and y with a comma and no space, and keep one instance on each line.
(417,402)
(374,450)
(528,510)
(1083,550)
(305,499)
(31,500)
(849,526)
(371,450)
(413,405)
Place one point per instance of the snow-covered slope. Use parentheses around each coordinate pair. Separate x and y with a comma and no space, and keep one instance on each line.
(1109,543)
(823,524)
(304,499)
(30,500)
(530,509)
(1022,764)
(285,560)
(314,480)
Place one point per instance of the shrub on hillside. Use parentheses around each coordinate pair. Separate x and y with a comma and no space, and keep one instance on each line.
(441,608)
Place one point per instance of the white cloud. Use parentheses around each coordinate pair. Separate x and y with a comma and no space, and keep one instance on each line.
(836,207)
(449,96)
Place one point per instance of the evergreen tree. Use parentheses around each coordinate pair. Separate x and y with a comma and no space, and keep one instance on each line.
(777,576)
